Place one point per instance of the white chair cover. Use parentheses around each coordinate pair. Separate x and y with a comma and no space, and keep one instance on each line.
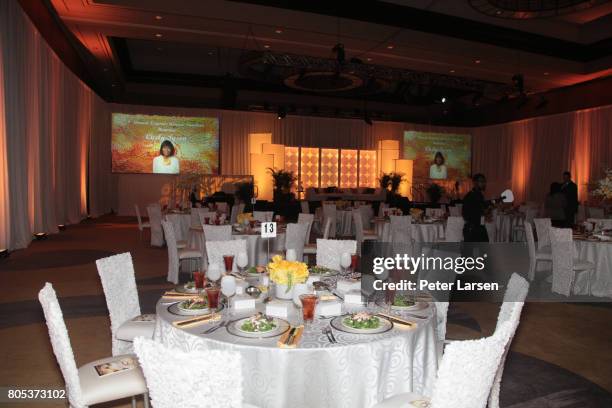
(197,379)
(217,232)
(236,209)
(60,341)
(329,212)
(441,318)
(562,249)
(216,249)
(514,299)
(263,216)
(304,207)
(327,228)
(401,229)
(330,250)
(532,250)
(308,219)
(543,226)
(173,258)
(454,229)
(381,209)
(119,285)
(155,219)
(454,211)
(367,213)
(295,238)
(359,232)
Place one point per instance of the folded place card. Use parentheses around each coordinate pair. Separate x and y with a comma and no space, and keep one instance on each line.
(277,309)
(241,302)
(329,308)
(353,297)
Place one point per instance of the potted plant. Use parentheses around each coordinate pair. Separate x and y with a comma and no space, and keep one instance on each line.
(384,181)
(283,183)
(434,192)
(395,181)
(285,274)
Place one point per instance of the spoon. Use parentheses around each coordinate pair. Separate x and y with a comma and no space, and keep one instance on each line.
(253,291)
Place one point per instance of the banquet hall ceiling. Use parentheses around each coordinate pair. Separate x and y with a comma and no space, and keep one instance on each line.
(399,59)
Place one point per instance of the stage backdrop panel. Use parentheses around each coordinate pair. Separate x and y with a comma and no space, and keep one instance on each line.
(190,144)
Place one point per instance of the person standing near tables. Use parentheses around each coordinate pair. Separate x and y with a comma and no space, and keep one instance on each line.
(570,191)
(555,205)
(474,206)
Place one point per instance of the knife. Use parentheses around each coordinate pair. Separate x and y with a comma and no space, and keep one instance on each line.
(290,336)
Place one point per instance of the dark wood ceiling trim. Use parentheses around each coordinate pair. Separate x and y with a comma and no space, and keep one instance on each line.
(380,12)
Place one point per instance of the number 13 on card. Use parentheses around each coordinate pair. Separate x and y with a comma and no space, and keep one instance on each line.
(268,230)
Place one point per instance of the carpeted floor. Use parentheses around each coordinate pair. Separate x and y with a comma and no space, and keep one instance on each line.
(560,357)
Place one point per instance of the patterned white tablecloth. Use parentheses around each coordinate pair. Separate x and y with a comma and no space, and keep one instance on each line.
(430,232)
(600,253)
(358,372)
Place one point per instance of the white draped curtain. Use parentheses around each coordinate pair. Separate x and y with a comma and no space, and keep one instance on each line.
(48,120)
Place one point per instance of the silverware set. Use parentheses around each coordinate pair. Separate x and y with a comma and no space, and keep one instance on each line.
(214,328)
(330,334)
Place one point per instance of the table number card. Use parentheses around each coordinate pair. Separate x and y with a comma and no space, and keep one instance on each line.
(268,230)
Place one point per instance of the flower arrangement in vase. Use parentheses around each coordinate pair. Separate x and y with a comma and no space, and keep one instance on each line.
(286,274)
(604,186)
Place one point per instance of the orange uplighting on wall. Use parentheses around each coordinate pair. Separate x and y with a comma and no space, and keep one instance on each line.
(367,168)
(329,168)
(309,167)
(292,160)
(349,170)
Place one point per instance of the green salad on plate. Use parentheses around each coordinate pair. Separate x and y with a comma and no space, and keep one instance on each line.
(258,323)
(362,320)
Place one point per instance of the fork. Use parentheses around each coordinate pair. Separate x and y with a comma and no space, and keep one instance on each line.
(214,328)
(330,334)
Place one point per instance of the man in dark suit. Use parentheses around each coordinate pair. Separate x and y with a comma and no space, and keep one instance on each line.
(570,191)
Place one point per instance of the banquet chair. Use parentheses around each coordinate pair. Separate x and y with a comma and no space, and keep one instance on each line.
(543,226)
(330,213)
(454,229)
(454,211)
(236,209)
(327,228)
(217,232)
(295,238)
(194,379)
(215,250)
(535,256)
(360,233)
(119,285)
(202,212)
(176,256)
(263,216)
(141,225)
(465,376)
(594,212)
(518,230)
(381,209)
(84,387)
(564,265)
(306,218)
(367,213)
(401,229)
(510,311)
(155,219)
(304,207)
(329,251)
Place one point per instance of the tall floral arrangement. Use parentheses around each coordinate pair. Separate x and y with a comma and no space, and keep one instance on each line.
(604,186)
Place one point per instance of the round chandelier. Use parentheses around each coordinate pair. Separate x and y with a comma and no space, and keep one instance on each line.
(531,9)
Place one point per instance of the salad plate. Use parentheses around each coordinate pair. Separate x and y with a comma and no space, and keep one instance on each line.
(182,309)
(405,303)
(361,323)
(322,271)
(188,287)
(258,326)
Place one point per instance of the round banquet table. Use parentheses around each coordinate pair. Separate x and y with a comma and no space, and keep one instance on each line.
(421,232)
(357,372)
(600,253)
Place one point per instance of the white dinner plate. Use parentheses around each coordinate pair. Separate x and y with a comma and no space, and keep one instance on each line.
(338,323)
(281,327)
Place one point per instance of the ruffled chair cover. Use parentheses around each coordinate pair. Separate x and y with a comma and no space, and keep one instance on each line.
(217,232)
(441,319)
(197,379)
(510,311)
(60,341)
(173,258)
(119,285)
(329,251)
(216,249)
(329,213)
(295,238)
(454,229)
(308,219)
(155,219)
(263,216)
(236,209)
(543,226)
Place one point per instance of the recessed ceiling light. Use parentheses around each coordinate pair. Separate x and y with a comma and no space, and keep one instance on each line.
(498,12)
(278,31)
(390,46)
(159,18)
(158,35)
(452,71)
(105,69)
(477,61)
(210,53)
(368,59)
(546,73)
(114,85)
(266,46)
(160,49)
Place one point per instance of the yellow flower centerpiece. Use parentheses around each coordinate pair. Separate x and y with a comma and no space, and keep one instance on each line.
(286,274)
(244,218)
(416,213)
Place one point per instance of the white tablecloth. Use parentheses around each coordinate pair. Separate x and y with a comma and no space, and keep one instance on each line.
(420,232)
(358,372)
(600,253)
